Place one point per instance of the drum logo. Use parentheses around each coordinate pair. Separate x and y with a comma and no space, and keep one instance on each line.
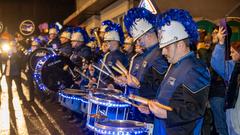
(53,63)
(41,54)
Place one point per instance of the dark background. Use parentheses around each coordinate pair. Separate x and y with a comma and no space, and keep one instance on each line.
(13,12)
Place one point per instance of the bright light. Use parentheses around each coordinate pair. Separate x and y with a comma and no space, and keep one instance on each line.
(6,47)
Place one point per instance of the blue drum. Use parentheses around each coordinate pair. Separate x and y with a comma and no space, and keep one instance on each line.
(103,106)
(120,127)
(74,99)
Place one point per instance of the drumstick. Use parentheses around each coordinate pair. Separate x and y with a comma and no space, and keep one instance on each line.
(108,69)
(118,70)
(103,72)
(125,100)
(125,71)
(85,76)
(121,66)
(146,101)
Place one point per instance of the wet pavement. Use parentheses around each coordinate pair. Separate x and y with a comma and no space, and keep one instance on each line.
(18,116)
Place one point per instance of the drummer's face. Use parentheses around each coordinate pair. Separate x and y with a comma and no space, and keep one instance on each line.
(113,45)
(63,40)
(52,36)
(75,44)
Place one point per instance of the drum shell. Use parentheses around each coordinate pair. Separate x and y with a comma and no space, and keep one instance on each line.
(112,108)
(75,101)
(122,127)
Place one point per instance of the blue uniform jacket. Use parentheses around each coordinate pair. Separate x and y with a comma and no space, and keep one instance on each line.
(110,61)
(80,53)
(66,49)
(184,88)
(149,68)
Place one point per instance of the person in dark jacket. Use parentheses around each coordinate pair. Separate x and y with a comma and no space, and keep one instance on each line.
(113,38)
(149,67)
(53,41)
(13,70)
(65,48)
(229,70)
(81,52)
(185,86)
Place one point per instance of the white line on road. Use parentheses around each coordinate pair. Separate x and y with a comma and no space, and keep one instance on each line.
(4,110)
(51,119)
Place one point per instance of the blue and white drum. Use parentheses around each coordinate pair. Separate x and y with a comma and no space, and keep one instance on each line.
(120,127)
(101,102)
(74,99)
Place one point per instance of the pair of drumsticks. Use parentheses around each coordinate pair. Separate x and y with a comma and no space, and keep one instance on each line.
(123,71)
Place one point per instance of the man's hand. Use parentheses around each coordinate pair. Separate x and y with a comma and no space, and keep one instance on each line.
(144,109)
(132,81)
(158,112)
(121,80)
(110,86)
(221,35)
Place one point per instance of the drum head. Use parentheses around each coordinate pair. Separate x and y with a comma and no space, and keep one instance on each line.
(106,91)
(75,92)
(36,55)
(53,74)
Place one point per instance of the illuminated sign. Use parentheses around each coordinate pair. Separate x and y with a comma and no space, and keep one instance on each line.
(148,5)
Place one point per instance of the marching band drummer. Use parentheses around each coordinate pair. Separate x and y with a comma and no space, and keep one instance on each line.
(53,41)
(66,48)
(186,84)
(150,66)
(128,47)
(81,52)
(114,38)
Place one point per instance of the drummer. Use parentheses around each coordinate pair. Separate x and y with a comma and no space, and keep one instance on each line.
(81,52)
(113,38)
(186,84)
(150,67)
(54,41)
(65,48)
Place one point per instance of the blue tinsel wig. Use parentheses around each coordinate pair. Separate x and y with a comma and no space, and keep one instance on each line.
(118,28)
(107,22)
(54,26)
(184,18)
(83,32)
(138,13)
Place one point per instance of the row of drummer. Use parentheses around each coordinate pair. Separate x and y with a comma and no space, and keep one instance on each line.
(162,67)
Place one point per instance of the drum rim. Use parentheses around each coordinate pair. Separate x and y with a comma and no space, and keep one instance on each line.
(98,101)
(74,91)
(124,129)
(38,72)
(50,51)
(118,92)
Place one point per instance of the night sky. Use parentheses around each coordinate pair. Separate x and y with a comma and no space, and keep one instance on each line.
(13,12)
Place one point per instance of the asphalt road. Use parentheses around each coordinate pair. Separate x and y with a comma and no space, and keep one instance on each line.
(18,116)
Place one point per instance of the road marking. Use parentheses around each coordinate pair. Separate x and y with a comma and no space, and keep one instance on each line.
(4,110)
(20,120)
(51,119)
(41,121)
